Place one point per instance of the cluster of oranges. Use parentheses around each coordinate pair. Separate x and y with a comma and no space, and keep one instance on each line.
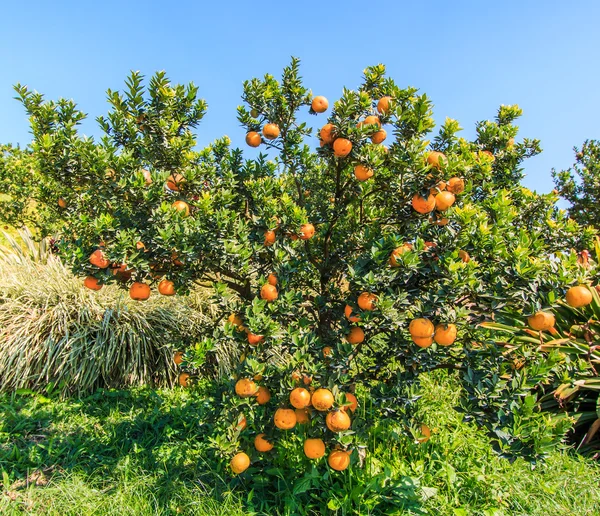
(302,403)
(307,231)
(423,333)
(576,297)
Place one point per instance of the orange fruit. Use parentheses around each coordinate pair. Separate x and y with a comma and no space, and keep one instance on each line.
(263,396)
(366,301)
(174,182)
(464,256)
(271,131)
(122,272)
(579,296)
(62,203)
(306,379)
(254,113)
(456,185)
(372,120)
(268,292)
(269,237)
(147,177)
(285,419)
(327,351)
(300,398)
(140,246)
(319,104)
(182,207)
(245,388)
(405,248)
(322,399)
(240,463)
(353,402)
(349,316)
(139,291)
(362,173)
(183,379)
(422,205)
(421,327)
(253,139)
(445,334)
(254,339)
(423,342)
(339,460)
(261,444)
(426,434)
(444,200)
(272,279)
(327,133)
(338,421)
(307,230)
(166,288)
(379,136)
(92,283)
(178,357)
(302,416)
(241,424)
(356,335)
(342,147)
(98,259)
(314,448)
(541,321)
(383,106)
(237,320)
(436,159)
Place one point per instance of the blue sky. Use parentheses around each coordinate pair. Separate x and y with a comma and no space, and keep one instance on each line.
(469,57)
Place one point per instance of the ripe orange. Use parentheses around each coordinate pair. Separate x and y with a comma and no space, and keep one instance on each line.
(372,120)
(166,288)
(241,424)
(314,448)
(92,283)
(464,256)
(426,434)
(322,399)
(147,177)
(356,335)
(327,133)
(139,291)
(302,416)
(245,388)
(182,207)
(327,351)
(263,396)
(423,342)
(140,246)
(254,339)
(541,321)
(98,259)
(237,320)
(268,292)
(272,279)
(362,173)
(306,379)
(444,200)
(307,230)
(339,460)
(271,131)
(338,421)
(175,181)
(349,316)
(319,104)
(383,106)
(240,463)
(183,379)
(379,136)
(351,398)
(405,248)
(422,205)
(285,419)
(456,185)
(261,444)
(421,327)
(253,139)
(436,159)
(270,237)
(300,398)
(178,357)
(445,334)
(62,203)
(579,296)
(342,147)
(122,272)
(366,301)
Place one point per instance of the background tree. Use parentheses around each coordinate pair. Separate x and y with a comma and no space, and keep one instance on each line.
(580,184)
(339,273)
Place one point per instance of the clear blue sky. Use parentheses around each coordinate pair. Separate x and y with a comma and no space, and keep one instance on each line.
(468,56)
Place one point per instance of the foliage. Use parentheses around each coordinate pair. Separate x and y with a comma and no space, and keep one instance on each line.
(499,246)
(580,184)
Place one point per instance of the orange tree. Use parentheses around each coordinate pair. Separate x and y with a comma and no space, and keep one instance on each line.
(343,266)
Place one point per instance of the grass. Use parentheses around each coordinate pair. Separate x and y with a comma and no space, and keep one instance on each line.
(145,452)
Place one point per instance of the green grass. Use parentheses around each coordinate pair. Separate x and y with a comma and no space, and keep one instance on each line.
(146,452)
